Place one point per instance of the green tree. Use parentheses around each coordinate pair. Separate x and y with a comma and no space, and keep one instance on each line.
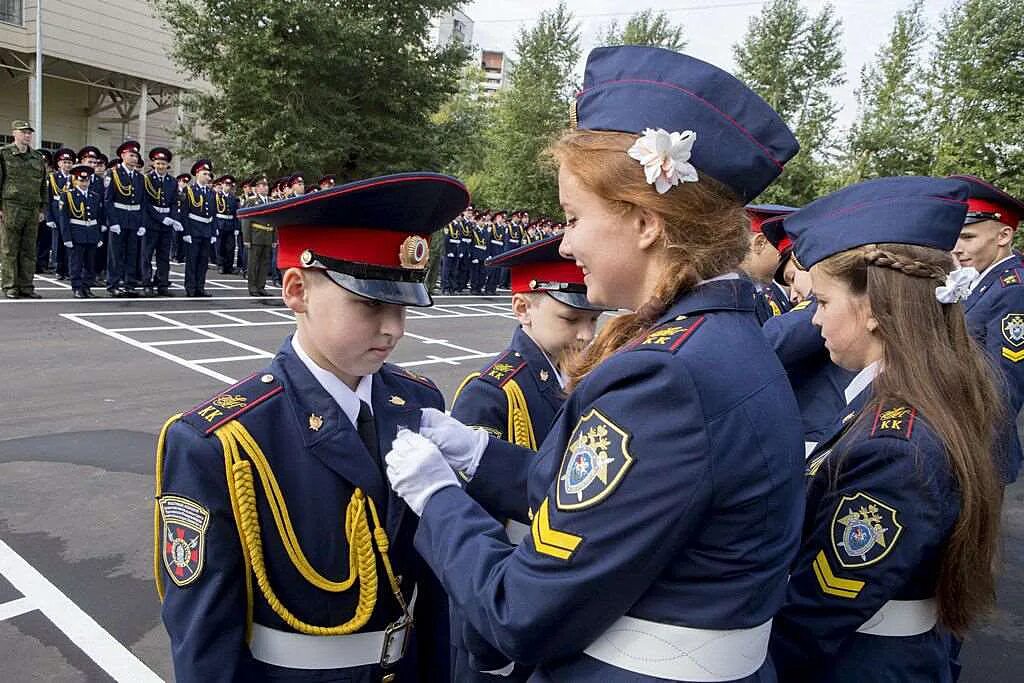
(976,97)
(529,113)
(890,136)
(317,85)
(461,125)
(646,28)
(793,61)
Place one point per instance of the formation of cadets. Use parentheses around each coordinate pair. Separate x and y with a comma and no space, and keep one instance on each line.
(782,460)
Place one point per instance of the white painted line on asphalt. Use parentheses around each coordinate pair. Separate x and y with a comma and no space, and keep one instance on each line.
(222,314)
(452,360)
(80,319)
(206,333)
(176,342)
(110,655)
(14,608)
(231,359)
(57,283)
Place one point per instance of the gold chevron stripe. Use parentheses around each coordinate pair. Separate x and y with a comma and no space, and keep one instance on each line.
(1015,356)
(832,584)
(550,541)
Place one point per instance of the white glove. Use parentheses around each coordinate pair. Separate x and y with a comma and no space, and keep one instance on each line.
(51,224)
(141,232)
(451,255)
(103,228)
(187,239)
(69,245)
(236,233)
(417,469)
(461,446)
(476,260)
(178,227)
(213,239)
(115,229)
(99,244)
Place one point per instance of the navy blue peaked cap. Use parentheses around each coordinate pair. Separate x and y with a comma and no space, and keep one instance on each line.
(539,267)
(741,141)
(918,210)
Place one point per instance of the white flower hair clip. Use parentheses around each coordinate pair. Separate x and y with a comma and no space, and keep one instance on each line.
(957,287)
(665,157)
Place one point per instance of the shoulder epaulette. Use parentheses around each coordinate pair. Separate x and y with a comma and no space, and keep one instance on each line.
(802,305)
(410,375)
(1011,276)
(669,336)
(232,402)
(504,368)
(894,420)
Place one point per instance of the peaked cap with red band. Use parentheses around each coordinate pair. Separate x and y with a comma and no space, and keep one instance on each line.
(759,213)
(129,146)
(988,202)
(774,231)
(370,236)
(538,267)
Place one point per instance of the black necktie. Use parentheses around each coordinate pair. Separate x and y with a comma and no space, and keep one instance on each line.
(368,431)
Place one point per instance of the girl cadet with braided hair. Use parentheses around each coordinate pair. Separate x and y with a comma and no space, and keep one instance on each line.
(281,554)
(903,496)
(665,503)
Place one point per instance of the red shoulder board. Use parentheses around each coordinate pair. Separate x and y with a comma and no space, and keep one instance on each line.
(1014,276)
(669,336)
(505,368)
(232,402)
(896,420)
(410,375)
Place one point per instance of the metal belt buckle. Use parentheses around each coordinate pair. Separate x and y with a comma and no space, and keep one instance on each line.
(396,639)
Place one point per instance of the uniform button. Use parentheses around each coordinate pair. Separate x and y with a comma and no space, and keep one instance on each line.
(267,379)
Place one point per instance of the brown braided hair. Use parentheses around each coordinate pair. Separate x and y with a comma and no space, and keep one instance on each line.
(706,230)
(930,362)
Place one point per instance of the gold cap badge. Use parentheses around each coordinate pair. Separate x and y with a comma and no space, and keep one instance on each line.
(307,258)
(414,253)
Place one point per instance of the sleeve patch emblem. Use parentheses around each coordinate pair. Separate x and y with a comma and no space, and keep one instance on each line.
(1013,329)
(595,461)
(184,538)
(864,530)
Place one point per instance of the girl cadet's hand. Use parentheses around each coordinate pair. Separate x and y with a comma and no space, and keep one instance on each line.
(416,469)
(461,446)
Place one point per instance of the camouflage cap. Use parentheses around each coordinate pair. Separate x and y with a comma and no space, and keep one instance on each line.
(18,124)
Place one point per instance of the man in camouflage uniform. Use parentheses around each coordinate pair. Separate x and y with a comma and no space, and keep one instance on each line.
(22,199)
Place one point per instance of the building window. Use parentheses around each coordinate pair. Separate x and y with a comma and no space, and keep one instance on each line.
(11,12)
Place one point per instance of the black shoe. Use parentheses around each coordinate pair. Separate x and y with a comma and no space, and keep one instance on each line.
(204,294)
(31,295)
(88,293)
(148,291)
(252,293)
(61,277)
(163,291)
(112,291)
(12,294)
(80,294)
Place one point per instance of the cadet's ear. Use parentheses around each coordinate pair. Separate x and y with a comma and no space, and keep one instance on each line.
(521,308)
(295,289)
(650,227)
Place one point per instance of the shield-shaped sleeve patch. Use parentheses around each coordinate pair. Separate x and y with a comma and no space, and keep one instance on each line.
(594,463)
(864,530)
(184,537)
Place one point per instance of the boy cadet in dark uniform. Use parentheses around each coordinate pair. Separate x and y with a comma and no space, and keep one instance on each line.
(259,238)
(994,308)
(818,383)
(495,248)
(280,550)
(198,214)
(162,222)
(327,182)
(57,181)
(227,223)
(296,185)
(763,259)
(481,231)
(179,239)
(80,220)
(90,156)
(123,211)
(517,397)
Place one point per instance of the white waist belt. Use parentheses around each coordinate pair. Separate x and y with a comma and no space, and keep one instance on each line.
(162,209)
(224,216)
(299,651)
(682,653)
(127,207)
(903,618)
(201,219)
(88,224)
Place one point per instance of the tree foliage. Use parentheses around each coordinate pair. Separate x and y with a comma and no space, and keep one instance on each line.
(317,85)
(794,61)
(529,113)
(646,27)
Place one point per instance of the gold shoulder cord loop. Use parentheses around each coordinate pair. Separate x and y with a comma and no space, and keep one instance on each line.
(520,426)
(157,535)
(362,559)
(469,378)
